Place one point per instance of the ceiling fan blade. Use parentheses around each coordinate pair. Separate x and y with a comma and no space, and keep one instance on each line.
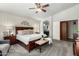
(36,12)
(38,5)
(45,5)
(43,10)
(31,8)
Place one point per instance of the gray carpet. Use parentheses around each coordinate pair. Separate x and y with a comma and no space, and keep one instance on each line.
(58,48)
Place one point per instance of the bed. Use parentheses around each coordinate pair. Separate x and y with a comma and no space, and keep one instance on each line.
(27,40)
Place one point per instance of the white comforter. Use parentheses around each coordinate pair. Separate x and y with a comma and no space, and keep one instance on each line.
(26,38)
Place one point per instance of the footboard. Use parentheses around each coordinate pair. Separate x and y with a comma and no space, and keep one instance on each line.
(30,46)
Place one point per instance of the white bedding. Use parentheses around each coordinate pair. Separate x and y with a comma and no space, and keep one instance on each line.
(26,38)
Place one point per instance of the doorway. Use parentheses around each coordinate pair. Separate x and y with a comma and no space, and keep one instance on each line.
(68,29)
(63,30)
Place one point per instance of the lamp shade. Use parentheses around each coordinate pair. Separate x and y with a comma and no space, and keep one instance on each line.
(9,30)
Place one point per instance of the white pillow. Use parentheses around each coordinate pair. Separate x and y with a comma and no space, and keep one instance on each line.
(20,32)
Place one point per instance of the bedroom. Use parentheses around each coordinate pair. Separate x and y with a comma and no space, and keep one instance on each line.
(18,16)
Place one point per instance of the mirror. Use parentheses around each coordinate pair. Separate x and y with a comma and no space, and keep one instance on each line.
(46,28)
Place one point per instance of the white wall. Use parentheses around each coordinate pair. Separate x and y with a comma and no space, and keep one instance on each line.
(72,28)
(36,27)
(13,20)
(56,30)
(69,14)
(50,27)
(41,27)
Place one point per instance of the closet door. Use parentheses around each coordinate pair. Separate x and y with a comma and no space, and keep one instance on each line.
(64,30)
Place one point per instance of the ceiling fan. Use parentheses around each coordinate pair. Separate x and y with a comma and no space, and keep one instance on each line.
(40,7)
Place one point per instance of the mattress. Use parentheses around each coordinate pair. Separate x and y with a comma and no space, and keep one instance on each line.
(26,38)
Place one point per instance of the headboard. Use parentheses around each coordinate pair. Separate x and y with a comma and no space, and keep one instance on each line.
(22,28)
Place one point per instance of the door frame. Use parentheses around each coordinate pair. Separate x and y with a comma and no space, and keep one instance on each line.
(61,27)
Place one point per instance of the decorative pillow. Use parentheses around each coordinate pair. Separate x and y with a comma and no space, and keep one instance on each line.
(26,32)
(30,31)
(20,32)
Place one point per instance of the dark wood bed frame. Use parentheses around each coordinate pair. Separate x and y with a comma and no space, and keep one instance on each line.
(31,44)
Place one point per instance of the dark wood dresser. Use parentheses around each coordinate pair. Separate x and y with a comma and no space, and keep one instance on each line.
(12,39)
(76,48)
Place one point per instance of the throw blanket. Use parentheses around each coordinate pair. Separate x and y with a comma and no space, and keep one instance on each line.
(50,40)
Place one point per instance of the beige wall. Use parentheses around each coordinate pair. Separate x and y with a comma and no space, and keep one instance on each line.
(2,29)
(56,30)
(7,20)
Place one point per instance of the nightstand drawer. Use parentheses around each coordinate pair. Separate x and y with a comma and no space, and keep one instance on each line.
(7,37)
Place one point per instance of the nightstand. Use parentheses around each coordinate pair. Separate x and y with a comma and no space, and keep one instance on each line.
(12,39)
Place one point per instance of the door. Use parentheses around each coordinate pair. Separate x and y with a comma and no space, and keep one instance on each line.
(64,30)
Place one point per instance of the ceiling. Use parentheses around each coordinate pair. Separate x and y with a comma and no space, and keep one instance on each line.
(22,9)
